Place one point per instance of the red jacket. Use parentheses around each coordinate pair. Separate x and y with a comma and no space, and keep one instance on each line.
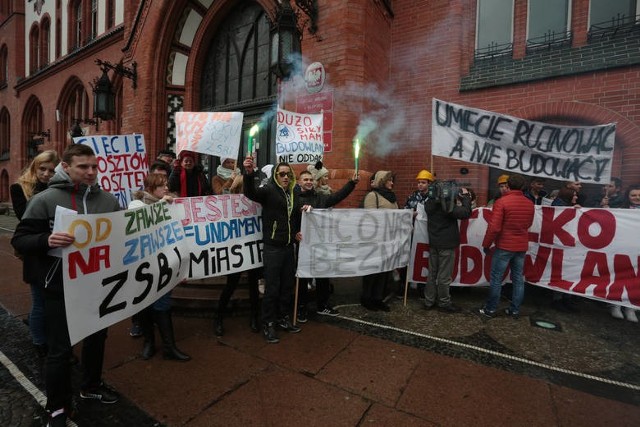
(509,228)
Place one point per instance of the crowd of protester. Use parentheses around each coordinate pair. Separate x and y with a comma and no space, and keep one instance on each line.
(283,196)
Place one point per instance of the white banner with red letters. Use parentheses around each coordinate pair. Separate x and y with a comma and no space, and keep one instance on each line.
(122,163)
(570,153)
(592,253)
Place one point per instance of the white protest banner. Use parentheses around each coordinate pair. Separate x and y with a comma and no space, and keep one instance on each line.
(591,253)
(123,261)
(122,163)
(215,134)
(224,233)
(353,242)
(571,153)
(299,137)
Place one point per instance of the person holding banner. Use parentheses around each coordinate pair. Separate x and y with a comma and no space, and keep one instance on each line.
(155,190)
(187,178)
(33,180)
(444,238)
(73,187)
(309,196)
(381,197)
(512,216)
(280,222)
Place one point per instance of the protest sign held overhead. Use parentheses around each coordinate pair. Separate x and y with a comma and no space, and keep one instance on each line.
(299,137)
(215,134)
(353,242)
(571,153)
(122,163)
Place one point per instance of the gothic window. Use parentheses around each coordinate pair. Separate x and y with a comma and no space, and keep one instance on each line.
(111,13)
(45,39)
(74,105)
(33,126)
(5,134)
(34,49)
(4,65)
(494,27)
(236,74)
(94,19)
(75,25)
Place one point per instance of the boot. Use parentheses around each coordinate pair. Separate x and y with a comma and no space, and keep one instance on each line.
(218,325)
(165,326)
(149,344)
(254,322)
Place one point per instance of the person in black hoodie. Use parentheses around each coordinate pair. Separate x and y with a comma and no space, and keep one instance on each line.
(280,224)
(309,196)
(72,187)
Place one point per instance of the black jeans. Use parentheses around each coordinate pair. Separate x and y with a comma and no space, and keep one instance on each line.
(279,277)
(373,286)
(58,369)
(232,283)
(323,291)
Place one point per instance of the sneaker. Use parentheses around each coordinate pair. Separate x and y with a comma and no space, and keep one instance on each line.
(486,313)
(451,308)
(616,312)
(102,393)
(509,312)
(269,332)
(57,419)
(302,315)
(135,331)
(630,314)
(328,311)
(286,325)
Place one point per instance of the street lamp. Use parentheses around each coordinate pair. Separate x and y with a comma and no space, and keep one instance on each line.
(104,98)
(285,41)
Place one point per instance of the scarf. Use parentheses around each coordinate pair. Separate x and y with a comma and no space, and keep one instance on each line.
(184,180)
(225,173)
(387,194)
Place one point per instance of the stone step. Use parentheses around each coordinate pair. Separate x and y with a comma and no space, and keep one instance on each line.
(203,295)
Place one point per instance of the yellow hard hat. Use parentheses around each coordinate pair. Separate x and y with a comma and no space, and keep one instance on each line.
(425,174)
(502,179)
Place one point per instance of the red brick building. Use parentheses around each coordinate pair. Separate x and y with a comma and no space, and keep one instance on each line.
(566,62)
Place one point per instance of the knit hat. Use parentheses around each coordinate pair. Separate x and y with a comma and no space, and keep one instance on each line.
(318,171)
(381,178)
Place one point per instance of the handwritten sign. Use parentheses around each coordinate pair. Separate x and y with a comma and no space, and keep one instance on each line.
(353,242)
(215,134)
(122,163)
(121,262)
(571,153)
(299,137)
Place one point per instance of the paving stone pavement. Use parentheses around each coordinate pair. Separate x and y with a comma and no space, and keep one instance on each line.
(405,367)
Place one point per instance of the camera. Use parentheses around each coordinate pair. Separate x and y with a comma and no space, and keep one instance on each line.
(446,193)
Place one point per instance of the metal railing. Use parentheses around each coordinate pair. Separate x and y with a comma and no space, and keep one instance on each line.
(493,50)
(617,25)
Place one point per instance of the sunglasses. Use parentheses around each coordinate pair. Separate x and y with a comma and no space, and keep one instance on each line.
(283,174)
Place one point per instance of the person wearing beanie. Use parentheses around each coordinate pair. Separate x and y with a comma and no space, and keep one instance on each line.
(187,178)
(320,176)
(381,197)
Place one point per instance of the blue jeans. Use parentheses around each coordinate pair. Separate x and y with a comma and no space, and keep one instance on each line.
(500,260)
(36,316)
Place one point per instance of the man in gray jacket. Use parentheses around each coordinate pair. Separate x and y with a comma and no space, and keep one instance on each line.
(72,187)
